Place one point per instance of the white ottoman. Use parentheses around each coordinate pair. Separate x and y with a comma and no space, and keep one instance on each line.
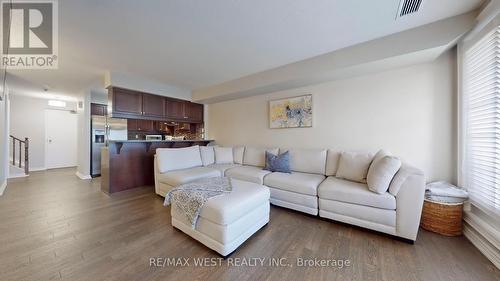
(228,220)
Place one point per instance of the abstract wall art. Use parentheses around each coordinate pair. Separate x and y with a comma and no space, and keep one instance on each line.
(295,112)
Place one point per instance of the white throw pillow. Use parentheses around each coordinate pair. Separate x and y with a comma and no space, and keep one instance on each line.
(354,166)
(380,154)
(223,155)
(207,155)
(238,154)
(170,159)
(312,161)
(381,173)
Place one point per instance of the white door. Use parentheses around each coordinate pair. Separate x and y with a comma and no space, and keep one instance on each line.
(61,135)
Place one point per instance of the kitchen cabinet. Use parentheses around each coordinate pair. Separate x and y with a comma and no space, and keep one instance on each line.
(139,125)
(98,109)
(184,111)
(153,106)
(174,109)
(126,102)
(138,105)
(193,112)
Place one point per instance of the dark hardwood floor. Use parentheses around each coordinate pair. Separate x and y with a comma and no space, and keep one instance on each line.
(54,226)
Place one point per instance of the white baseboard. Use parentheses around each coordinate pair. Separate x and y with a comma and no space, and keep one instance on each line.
(2,187)
(37,169)
(17,176)
(82,176)
(483,236)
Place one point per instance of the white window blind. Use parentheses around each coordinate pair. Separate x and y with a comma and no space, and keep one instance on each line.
(481,98)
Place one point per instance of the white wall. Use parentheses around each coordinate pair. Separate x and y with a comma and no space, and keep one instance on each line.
(27,120)
(409,111)
(84,136)
(99,97)
(4,137)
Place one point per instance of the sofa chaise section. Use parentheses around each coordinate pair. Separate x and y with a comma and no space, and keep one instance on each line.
(175,166)
(396,212)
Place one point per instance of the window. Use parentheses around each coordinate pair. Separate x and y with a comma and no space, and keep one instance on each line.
(481,109)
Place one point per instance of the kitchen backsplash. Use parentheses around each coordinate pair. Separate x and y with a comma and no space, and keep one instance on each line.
(178,132)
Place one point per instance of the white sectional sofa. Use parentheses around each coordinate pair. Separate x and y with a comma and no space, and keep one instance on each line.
(312,186)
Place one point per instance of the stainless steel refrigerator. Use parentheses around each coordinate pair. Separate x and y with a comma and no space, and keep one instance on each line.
(103,130)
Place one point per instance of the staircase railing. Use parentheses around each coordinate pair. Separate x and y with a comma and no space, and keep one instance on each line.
(21,144)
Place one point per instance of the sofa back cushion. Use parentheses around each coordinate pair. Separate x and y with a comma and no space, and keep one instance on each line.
(332,162)
(171,159)
(381,172)
(311,161)
(207,155)
(238,154)
(255,156)
(354,166)
(223,155)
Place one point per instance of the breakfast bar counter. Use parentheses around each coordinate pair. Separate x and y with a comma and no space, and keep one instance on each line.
(128,164)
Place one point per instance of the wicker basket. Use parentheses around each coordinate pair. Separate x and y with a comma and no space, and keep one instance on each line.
(442,218)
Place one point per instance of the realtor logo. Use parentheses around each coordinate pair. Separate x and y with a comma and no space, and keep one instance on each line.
(29,34)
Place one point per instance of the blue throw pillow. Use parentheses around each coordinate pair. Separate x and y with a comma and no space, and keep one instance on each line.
(278,163)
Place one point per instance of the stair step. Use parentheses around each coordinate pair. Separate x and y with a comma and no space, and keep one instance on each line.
(16,172)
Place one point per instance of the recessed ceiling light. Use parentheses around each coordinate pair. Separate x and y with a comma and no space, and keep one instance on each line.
(57,103)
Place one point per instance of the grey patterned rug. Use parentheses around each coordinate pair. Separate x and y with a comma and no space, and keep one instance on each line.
(189,198)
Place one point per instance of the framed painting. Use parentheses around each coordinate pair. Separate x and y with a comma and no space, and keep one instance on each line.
(295,112)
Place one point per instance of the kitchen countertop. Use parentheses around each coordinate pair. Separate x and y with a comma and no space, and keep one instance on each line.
(125,141)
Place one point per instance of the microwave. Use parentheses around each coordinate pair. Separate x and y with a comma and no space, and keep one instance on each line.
(154,137)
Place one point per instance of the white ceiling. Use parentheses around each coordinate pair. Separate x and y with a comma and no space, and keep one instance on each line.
(194,44)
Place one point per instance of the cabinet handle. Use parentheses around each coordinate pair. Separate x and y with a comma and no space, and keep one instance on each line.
(185,117)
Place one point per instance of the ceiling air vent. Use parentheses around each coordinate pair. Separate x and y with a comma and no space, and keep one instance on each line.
(407,7)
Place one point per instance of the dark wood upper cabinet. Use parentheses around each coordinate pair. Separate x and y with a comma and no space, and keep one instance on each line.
(153,106)
(193,112)
(174,109)
(138,105)
(126,102)
(98,109)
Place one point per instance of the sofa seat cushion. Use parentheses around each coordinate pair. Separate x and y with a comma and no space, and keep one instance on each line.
(222,168)
(355,193)
(374,218)
(175,178)
(248,173)
(295,182)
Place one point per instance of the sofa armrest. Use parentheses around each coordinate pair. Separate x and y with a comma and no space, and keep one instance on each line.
(408,186)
